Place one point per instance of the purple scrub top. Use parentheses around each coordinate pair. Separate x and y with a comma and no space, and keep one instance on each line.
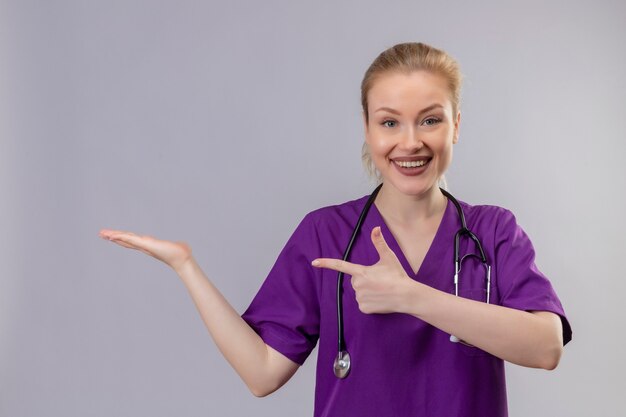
(401,365)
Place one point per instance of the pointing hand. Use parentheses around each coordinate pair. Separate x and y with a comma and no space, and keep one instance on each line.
(380,288)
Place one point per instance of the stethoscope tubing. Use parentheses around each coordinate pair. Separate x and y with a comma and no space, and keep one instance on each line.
(346,253)
(342,363)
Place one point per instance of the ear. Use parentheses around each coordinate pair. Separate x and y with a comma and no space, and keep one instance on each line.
(457,122)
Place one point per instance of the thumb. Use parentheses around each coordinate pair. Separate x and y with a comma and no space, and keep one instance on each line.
(380,244)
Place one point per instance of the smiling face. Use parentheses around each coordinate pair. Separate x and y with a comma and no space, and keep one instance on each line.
(411,130)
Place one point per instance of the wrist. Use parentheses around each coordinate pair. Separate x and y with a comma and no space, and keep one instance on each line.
(185,268)
(414,296)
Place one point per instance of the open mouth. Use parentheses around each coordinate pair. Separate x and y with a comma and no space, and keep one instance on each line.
(412,164)
(414,167)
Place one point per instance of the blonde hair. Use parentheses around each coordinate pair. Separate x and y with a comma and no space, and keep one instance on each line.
(406,58)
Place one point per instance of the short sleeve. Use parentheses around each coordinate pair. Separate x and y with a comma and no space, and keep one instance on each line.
(285,312)
(520,282)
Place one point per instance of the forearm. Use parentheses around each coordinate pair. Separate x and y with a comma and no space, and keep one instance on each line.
(520,337)
(241,346)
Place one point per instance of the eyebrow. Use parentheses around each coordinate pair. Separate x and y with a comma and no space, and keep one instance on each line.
(390,110)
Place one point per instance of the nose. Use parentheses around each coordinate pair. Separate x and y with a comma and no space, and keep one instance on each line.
(411,140)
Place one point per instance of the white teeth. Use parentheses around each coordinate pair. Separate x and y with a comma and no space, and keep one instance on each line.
(412,164)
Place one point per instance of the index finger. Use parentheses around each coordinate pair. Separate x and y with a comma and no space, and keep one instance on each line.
(337,265)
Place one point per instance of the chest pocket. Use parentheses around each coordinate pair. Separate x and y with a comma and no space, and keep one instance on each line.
(473,280)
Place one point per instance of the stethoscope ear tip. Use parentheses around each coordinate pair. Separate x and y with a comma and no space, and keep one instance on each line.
(455,339)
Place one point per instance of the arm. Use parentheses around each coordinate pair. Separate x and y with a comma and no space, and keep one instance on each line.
(532,339)
(528,339)
(262,368)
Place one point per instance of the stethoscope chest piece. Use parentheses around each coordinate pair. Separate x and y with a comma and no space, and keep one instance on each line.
(341,367)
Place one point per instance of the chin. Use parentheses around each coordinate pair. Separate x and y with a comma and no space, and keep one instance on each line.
(416,189)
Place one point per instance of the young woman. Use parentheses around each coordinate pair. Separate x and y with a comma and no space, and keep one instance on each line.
(406,325)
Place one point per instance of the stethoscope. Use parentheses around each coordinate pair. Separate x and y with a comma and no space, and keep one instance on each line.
(341,366)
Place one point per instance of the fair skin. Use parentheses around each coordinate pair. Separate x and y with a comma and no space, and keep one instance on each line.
(412,207)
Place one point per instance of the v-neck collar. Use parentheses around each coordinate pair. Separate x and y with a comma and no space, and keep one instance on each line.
(443,238)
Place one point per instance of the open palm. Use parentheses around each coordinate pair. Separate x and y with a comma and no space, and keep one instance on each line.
(174,254)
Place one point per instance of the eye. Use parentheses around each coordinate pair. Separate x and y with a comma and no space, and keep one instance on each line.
(431,121)
(384,123)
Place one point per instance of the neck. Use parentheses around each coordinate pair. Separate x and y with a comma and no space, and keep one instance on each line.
(409,209)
